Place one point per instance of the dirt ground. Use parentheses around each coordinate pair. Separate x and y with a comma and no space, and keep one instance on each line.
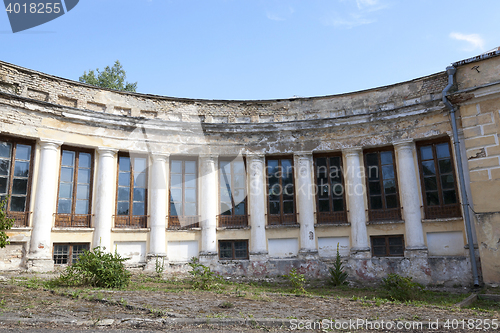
(95,306)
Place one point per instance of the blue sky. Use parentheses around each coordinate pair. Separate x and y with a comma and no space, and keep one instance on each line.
(257,49)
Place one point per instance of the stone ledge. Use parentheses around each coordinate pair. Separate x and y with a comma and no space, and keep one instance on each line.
(448,219)
(237,228)
(182,230)
(130,229)
(279,226)
(384,222)
(73,229)
(325,225)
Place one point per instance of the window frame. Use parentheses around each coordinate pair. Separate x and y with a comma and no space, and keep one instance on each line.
(70,251)
(387,246)
(21,219)
(233,241)
(174,221)
(330,217)
(131,220)
(454,210)
(75,220)
(233,220)
(281,219)
(383,214)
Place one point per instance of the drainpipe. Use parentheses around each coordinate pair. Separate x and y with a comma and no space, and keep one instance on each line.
(465,201)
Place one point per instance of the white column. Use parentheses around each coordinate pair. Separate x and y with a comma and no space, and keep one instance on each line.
(305,202)
(256,206)
(356,192)
(158,198)
(209,202)
(105,197)
(40,256)
(158,204)
(409,194)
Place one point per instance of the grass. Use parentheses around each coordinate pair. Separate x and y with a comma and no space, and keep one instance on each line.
(262,290)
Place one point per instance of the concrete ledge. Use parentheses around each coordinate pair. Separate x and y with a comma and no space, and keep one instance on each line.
(490,297)
(468,301)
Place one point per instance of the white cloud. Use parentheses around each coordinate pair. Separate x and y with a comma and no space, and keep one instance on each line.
(280,15)
(274,17)
(353,20)
(475,40)
(366,3)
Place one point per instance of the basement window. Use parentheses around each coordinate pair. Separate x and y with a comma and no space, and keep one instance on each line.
(388,246)
(65,254)
(233,249)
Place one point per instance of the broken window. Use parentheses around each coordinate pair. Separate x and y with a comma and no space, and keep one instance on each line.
(281,193)
(68,253)
(183,193)
(330,198)
(131,203)
(381,183)
(233,249)
(437,175)
(75,188)
(15,178)
(388,246)
(232,190)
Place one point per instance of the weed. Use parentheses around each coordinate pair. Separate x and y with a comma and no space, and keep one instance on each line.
(159,267)
(401,288)
(96,268)
(337,274)
(297,281)
(226,305)
(203,277)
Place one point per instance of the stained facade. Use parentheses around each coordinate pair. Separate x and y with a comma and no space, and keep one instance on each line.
(257,187)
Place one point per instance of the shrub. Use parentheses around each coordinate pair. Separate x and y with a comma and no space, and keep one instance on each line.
(337,274)
(399,288)
(297,281)
(5,223)
(203,277)
(96,268)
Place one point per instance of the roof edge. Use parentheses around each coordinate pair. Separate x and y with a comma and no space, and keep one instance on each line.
(480,57)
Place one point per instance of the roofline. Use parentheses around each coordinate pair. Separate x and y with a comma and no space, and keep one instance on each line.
(183,99)
(480,57)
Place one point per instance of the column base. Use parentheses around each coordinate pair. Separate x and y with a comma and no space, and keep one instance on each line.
(258,256)
(416,252)
(155,262)
(360,253)
(305,254)
(39,264)
(208,258)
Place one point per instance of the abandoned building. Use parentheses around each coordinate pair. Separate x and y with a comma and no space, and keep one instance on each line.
(403,178)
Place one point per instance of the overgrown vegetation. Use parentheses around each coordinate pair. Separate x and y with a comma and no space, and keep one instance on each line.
(399,288)
(338,276)
(111,77)
(5,223)
(203,277)
(297,281)
(95,268)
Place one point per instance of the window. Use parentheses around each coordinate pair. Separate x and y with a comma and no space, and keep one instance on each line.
(75,184)
(280,199)
(232,180)
(330,201)
(438,179)
(183,193)
(388,246)
(15,178)
(68,253)
(131,200)
(382,188)
(233,249)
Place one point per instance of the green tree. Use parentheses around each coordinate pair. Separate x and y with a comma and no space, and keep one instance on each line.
(110,77)
(5,223)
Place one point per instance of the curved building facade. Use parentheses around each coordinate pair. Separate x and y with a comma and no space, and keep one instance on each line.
(252,187)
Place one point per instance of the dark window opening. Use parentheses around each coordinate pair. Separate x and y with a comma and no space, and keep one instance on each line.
(65,254)
(281,192)
(233,249)
(388,246)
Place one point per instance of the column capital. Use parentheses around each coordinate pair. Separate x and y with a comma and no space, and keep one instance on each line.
(161,157)
(49,143)
(209,156)
(403,144)
(304,154)
(106,151)
(255,156)
(352,151)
